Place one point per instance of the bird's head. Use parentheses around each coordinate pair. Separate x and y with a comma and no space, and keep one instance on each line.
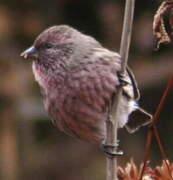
(54,44)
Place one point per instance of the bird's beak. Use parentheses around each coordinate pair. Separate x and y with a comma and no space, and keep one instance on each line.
(30,53)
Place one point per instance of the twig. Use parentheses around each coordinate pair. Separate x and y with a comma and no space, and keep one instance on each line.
(153,132)
(162,150)
(112,123)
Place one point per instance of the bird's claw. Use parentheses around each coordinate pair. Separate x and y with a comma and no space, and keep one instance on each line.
(122,80)
(111,150)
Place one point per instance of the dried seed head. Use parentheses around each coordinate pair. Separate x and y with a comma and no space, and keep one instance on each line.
(159,27)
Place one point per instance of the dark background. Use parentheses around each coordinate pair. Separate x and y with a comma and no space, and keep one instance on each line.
(30,147)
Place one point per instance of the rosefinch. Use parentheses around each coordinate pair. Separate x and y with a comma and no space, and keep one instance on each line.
(79,78)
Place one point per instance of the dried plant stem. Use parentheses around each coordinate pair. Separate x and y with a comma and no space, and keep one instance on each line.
(112,124)
(153,131)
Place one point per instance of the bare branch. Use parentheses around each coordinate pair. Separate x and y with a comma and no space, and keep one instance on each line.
(112,122)
(153,131)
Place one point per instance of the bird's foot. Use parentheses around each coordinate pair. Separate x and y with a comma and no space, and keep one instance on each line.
(111,150)
(122,80)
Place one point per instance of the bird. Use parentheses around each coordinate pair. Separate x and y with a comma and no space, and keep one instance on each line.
(79,78)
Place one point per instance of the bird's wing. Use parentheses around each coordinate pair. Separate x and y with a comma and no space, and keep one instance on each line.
(86,95)
(134,84)
(102,54)
(94,84)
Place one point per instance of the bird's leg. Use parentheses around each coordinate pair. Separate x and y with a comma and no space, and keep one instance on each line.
(111,150)
(122,79)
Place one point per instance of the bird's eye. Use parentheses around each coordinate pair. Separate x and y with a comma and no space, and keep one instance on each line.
(48,46)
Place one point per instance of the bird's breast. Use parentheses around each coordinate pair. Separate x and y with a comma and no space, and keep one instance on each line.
(39,75)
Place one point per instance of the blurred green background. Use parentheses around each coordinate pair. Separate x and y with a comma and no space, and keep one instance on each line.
(30,147)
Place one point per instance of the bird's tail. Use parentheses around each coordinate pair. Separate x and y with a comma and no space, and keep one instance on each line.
(138,118)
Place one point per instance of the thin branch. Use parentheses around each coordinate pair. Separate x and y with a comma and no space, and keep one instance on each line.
(162,150)
(112,123)
(147,152)
(153,132)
